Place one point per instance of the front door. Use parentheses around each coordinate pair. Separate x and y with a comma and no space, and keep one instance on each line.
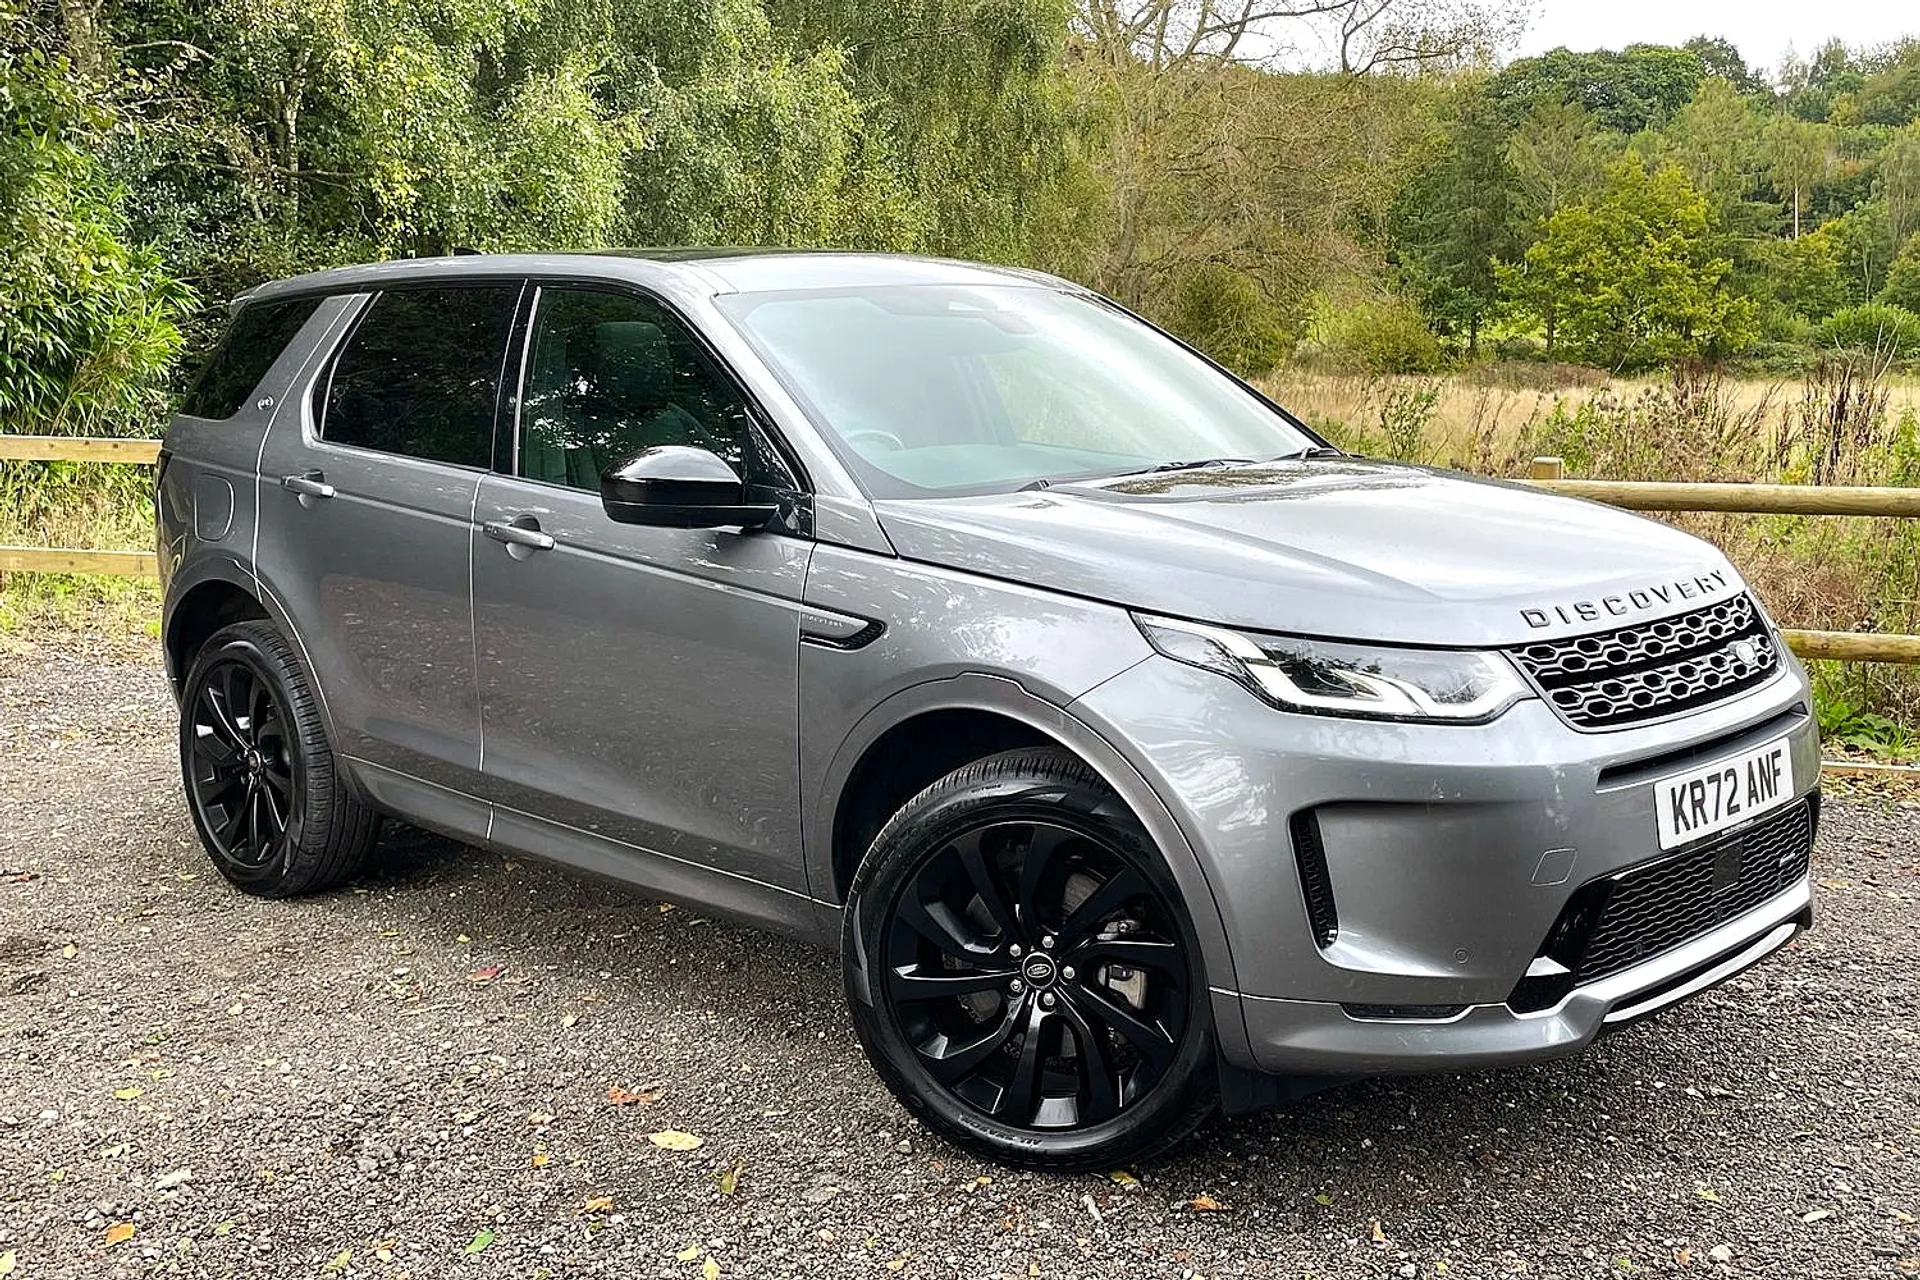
(366,503)
(637,684)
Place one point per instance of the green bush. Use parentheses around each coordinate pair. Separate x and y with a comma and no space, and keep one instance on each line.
(1891,332)
(1223,313)
(1378,335)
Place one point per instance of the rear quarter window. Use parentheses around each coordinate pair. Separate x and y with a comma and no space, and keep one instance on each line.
(253,341)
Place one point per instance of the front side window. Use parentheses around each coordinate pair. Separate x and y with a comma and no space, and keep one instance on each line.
(420,375)
(610,375)
(938,389)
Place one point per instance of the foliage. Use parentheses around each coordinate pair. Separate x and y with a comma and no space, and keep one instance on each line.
(1902,287)
(1634,277)
(1877,328)
(1381,334)
(1639,87)
(1221,311)
(1457,216)
(87,320)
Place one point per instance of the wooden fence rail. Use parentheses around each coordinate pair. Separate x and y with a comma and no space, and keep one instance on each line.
(1549,473)
(123,564)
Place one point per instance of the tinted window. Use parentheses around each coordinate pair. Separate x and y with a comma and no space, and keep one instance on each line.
(612,374)
(421,373)
(250,346)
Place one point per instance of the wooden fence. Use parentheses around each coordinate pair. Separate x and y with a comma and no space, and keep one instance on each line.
(126,564)
(1548,473)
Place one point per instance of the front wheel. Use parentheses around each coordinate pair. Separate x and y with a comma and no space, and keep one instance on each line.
(1022,971)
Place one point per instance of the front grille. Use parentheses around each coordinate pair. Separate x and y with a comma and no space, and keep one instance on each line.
(1660,906)
(1654,669)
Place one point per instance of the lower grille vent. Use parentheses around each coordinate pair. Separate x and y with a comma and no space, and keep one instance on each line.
(1310,855)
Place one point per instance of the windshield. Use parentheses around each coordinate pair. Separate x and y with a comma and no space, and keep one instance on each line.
(950,389)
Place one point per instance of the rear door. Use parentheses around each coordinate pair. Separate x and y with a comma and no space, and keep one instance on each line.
(637,684)
(366,522)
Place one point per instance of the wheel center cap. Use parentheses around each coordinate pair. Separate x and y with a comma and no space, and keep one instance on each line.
(255,762)
(1039,971)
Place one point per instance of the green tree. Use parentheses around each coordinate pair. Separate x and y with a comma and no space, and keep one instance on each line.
(1637,88)
(87,316)
(1457,215)
(1635,277)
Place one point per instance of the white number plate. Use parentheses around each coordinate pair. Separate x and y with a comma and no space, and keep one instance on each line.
(1724,794)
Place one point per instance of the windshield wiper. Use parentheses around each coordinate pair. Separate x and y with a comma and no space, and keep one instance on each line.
(1312,451)
(1193,464)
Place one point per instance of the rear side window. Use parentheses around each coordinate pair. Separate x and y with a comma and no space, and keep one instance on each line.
(251,344)
(420,374)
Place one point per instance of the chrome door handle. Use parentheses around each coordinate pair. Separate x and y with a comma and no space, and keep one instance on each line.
(516,534)
(308,484)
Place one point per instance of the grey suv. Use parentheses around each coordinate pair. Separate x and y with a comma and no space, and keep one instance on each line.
(1141,753)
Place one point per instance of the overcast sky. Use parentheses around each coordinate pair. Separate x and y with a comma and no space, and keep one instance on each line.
(1763,29)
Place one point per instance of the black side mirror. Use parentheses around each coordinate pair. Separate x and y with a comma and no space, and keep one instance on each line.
(680,487)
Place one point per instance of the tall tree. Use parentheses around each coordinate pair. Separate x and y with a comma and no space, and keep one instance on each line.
(1459,215)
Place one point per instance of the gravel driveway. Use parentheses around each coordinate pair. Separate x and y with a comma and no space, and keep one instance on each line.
(453,1070)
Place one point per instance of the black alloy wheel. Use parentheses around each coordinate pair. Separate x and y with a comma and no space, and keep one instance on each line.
(1031,982)
(262,786)
(240,765)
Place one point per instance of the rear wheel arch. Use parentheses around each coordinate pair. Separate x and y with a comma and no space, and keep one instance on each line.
(203,610)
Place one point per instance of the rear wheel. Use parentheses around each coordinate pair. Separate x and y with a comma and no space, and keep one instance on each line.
(261,781)
(1022,971)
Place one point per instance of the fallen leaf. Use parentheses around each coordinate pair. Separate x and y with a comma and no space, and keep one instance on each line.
(8,1262)
(1721,1253)
(982,1181)
(597,1204)
(570,1021)
(688,1254)
(539,1118)
(729,1178)
(1121,1178)
(1379,1236)
(340,1261)
(645,1096)
(129,1093)
(675,1140)
(225,1228)
(895,1265)
(540,1159)
(1707,1193)
(481,1239)
(1683,1257)
(119,1233)
(69,951)
(486,973)
(710,1269)
(1323,1199)
(1818,1215)
(1204,1203)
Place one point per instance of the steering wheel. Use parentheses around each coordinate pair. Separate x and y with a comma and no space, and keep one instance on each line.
(887,439)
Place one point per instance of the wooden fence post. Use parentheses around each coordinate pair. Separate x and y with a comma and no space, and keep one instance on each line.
(1548,468)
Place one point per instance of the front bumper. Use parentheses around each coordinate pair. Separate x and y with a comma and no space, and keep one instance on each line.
(1450,855)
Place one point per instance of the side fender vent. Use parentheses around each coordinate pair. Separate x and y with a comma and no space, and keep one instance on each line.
(1310,856)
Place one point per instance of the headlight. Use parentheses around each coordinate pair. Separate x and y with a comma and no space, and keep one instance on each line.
(1375,681)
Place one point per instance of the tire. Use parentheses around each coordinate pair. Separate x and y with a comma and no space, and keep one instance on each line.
(262,784)
(1012,940)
